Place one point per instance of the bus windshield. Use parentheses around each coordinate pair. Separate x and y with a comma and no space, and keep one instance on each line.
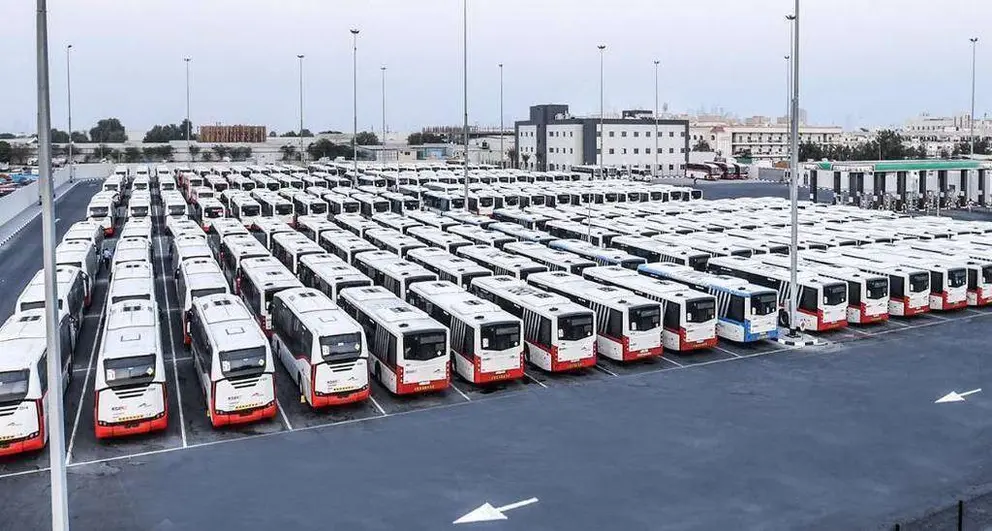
(573,327)
(645,318)
(956,277)
(196,293)
(414,280)
(177,210)
(350,208)
(144,297)
(139,211)
(250,210)
(987,274)
(500,336)
(34,305)
(423,346)
(214,212)
(834,294)
(344,347)
(457,203)
(284,209)
(919,282)
(877,288)
(99,211)
(132,370)
(763,303)
(700,310)
(242,362)
(13,385)
(318,208)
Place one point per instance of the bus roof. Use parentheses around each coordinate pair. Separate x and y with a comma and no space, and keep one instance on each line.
(226,318)
(131,329)
(390,311)
(523,294)
(267,272)
(318,312)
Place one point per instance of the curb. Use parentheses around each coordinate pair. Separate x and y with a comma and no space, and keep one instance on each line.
(798,342)
(28,221)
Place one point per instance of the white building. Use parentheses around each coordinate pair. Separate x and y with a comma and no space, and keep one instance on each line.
(940,134)
(553,140)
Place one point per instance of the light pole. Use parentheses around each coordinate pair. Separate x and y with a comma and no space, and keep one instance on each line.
(189,125)
(383,69)
(465,90)
(794,166)
(974,43)
(791,19)
(68,86)
(602,145)
(354,91)
(502,153)
(56,436)
(656,118)
(300,57)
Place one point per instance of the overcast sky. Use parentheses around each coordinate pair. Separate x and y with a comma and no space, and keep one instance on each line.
(865,62)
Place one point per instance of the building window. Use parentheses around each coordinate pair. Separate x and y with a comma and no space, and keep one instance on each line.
(623,134)
(598,151)
(636,134)
(681,150)
(569,134)
(637,151)
(682,134)
(647,134)
(671,150)
(570,151)
(647,151)
(611,151)
(599,133)
(624,151)
(671,134)
(611,134)
(671,167)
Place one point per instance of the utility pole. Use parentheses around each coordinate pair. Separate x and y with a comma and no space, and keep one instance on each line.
(602,145)
(656,118)
(189,124)
(383,107)
(55,420)
(502,152)
(68,86)
(789,58)
(354,91)
(465,90)
(974,43)
(300,57)
(794,182)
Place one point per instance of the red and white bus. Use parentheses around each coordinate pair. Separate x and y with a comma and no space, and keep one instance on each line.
(198,277)
(628,325)
(261,279)
(322,348)
(559,335)
(131,396)
(486,342)
(233,361)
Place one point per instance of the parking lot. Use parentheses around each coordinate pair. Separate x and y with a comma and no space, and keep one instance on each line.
(836,435)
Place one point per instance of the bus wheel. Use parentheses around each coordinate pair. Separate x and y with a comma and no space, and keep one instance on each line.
(783,318)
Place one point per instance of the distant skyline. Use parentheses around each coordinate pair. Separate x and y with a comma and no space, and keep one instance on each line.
(863,63)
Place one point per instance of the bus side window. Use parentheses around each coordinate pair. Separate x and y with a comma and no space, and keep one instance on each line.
(896,290)
(735,310)
(544,332)
(43,373)
(614,325)
(808,301)
(390,350)
(672,319)
(853,294)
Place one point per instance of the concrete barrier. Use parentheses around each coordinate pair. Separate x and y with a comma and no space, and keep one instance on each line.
(12,205)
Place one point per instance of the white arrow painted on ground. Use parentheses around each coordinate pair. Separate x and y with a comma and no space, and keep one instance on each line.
(487,513)
(954,396)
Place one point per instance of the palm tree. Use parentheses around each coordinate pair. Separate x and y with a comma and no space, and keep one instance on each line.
(288,152)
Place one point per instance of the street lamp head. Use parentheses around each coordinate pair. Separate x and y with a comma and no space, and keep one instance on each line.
(354,31)
(790,17)
(973,40)
(299,56)
(68,47)
(656,62)
(601,47)
(382,68)
(186,59)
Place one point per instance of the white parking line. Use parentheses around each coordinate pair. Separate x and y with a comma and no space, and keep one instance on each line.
(935,316)
(535,380)
(972,310)
(282,413)
(677,364)
(172,339)
(604,369)
(732,353)
(86,381)
(377,406)
(455,387)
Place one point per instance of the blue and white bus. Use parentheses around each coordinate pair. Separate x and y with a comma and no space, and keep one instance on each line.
(745,312)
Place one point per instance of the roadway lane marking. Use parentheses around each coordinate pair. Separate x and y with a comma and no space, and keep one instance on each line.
(535,380)
(604,369)
(282,413)
(455,387)
(732,353)
(172,339)
(377,406)
(86,381)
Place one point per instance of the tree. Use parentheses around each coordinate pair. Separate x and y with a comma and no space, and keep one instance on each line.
(305,133)
(7,136)
(417,139)
(330,132)
(113,154)
(526,158)
(221,151)
(944,154)
(80,137)
(240,153)
(289,134)
(272,134)
(512,154)
(4,151)
(325,148)
(367,138)
(288,152)
(194,150)
(982,147)
(158,153)
(132,154)
(702,145)
(19,153)
(59,137)
(108,130)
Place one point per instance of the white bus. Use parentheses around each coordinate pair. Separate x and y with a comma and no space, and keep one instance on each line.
(266,227)
(233,361)
(522,234)
(821,303)
(129,383)
(745,312)
(431,219)
(274,205)
(330,275)
(83,255)
(501,262)
(307,205)
(654,250)
(448,267)
(572,230)
(71,296)
(234,249)
(261,279)
(85,230)
(559,335)
(131,250)
(480,236)
(976,259)
(132,281)
(338,204)
(245,208)
(24,379)
(345,246)
(688,316)
(356,224)
(628,326)
(600,255)
(288,248)
(527,220)
(197,277)
(393,241)
(948,279)
(485,340)
(394,221)
(206,211)
(137,228)
(409,350)
(370,205)
(314,226)
(400,203)
(435,237)
(392,272)
(103,210)
(186,247)
(174,205)
(909,288)
(553,259)
(468,218)
(322,348)
(183,227)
